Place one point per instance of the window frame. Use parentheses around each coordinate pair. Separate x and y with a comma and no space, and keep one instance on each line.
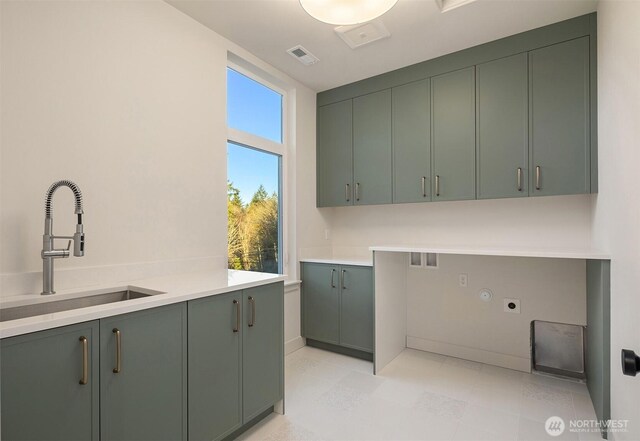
(255,142)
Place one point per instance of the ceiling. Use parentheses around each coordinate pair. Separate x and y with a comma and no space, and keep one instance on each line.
(419,31)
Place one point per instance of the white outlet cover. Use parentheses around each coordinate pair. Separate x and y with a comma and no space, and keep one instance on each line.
(463,280)
(485,295)
(515,310)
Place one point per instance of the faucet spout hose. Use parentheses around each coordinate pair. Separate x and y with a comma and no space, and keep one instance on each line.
(76,193)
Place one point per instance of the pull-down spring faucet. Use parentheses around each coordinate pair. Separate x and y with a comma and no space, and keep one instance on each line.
(48,252)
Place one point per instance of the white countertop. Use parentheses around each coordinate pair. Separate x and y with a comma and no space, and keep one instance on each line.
(339,261)
(172,289)
(503,251)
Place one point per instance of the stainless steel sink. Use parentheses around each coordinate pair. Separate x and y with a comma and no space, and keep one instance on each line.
(18,312)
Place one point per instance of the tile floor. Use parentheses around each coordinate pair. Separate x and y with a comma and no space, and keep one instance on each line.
(418,396)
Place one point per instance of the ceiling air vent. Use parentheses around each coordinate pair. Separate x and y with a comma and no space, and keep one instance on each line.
(358,35)
(303,55)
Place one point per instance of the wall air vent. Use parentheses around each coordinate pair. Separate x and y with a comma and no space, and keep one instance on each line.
(448,5)
(358,35)
(303,55)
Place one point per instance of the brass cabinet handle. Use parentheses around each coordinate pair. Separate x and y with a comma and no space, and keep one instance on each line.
(237,305)
(252,302)
(437,185)
(118,368)
(343,273)
(537,177)
(333,271)
(424,186)
(85,360)
(347,192)
(519,178)
(357,191)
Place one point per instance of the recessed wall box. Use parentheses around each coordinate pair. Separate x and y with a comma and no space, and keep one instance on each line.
(415,260)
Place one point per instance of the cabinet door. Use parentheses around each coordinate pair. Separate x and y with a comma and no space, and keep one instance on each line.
(42,394)
(262,349)
(215,384)
(146,398)
(372,148)
(453,135)
(559,112)
(321,302)
(356,312)
(335,155)
(411,127)
(502,128)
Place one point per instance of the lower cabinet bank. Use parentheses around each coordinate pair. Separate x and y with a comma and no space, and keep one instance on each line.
(337,308)
(199,370)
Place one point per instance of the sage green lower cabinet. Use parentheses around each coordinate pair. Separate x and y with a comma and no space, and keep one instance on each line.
(338,305)
(125,377)
(321,315)
(236,359)
(502,128)
(356,308)
(559,111)
(453,135)
(43,392)
(262,349)
(411,128)
(372,148)
(215,360)
(143,392)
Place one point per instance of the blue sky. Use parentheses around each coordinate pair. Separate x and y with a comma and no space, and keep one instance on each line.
(253,108)
(248,168)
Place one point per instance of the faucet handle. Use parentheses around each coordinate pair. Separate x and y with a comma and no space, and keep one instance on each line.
(68,246)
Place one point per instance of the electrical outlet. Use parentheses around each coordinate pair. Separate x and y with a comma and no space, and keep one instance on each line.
(512,305)
(462,279)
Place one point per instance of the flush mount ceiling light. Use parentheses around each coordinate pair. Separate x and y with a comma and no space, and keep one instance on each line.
(346,12)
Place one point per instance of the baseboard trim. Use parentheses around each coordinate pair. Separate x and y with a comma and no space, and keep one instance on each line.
(473,354)
(293,345)
(368,356)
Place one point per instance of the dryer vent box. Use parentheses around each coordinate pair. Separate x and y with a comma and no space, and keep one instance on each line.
(558,349)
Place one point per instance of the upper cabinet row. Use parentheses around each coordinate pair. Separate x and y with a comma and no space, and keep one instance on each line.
(511,127)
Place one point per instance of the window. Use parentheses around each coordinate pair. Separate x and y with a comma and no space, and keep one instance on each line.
(253,107)
(254,175)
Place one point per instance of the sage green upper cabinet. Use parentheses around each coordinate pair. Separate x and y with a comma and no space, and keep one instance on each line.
(356,309)
(335,155)
(559,118)
(453,135)
(215,332)
(502,128)
(372,148)
(514,117)
(262,349)
(411,127)
(46,393)
(143,375)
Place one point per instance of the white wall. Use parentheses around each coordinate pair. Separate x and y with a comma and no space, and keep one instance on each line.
(551,222)
(616,218)
(127,99)
(444,317)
